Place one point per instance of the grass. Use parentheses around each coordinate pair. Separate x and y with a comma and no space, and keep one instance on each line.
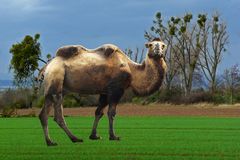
(141,138)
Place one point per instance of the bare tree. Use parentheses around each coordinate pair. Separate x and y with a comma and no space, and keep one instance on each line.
(137,55)
(187,42)
(231,80)
(192,45)
(215,39)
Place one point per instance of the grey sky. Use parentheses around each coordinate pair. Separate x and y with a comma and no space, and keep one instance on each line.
(92,23)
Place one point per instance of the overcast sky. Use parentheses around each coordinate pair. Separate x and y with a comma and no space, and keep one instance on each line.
(93,23)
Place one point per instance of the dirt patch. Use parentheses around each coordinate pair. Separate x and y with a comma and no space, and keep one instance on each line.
(152,110)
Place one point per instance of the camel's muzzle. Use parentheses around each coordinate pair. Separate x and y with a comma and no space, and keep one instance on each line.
(162,55)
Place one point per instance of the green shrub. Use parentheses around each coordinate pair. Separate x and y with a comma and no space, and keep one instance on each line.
(137,100)
(219,98)
(237,98)
(39,102)
(128,96)
(69,101)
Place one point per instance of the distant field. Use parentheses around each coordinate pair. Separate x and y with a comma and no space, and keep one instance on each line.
(202,109)
(141,138)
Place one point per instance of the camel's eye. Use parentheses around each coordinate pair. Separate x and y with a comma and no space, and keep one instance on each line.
(150,45)
(163,46)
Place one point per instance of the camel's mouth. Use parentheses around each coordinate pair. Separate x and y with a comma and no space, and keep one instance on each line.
(162,56)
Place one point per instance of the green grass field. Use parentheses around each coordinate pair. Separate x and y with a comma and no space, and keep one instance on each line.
(141,138)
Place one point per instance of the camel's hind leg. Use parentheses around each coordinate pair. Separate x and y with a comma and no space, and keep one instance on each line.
(43,116)
(59,118)
(98,115)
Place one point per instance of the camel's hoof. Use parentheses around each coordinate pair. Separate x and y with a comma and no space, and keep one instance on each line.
(114,138)
(94,137)
(76,140)
(50,144)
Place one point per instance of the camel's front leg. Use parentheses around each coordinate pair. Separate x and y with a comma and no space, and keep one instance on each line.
(111,116)
(98,115)
(113,101)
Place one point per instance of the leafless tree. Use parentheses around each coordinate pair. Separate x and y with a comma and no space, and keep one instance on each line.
(192,45)
(137,55)
(187,41)
(215,39)
(231,80)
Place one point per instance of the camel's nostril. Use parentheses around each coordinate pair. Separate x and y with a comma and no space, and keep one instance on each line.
(161,55)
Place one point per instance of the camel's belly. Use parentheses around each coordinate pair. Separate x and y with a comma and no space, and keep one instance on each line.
(92,79)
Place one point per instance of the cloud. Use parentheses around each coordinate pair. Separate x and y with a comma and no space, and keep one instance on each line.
(22,7)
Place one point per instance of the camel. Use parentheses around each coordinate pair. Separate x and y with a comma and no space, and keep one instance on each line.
(106,71)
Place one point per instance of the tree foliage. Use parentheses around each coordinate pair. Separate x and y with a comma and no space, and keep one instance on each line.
(25,57)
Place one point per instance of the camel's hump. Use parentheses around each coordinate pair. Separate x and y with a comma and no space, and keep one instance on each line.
(73,50)
(106,49)
(70,51)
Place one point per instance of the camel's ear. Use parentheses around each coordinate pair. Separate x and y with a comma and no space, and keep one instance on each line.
(147,45)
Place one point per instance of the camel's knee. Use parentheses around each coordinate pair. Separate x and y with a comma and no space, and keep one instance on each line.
(111,113)
(57,98)
(99,113)
(42,117)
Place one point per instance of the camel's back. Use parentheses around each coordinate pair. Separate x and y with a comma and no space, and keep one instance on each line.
(71,51)
(106,56)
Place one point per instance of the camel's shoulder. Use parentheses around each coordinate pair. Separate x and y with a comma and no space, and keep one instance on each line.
(70,51)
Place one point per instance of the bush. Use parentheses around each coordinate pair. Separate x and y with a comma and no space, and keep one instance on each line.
(173,95)
(219,98)
(137,100)
(128,96)
(75,100)
(197,97)
(39,102)
(8,111)
(18,98)
(69,101)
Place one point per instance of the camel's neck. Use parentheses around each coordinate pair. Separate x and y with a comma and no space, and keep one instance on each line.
(148,76)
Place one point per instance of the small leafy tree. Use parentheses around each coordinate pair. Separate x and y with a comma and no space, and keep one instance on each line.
(25,60)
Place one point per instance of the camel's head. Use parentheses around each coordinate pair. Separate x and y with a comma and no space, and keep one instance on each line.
(156,48)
